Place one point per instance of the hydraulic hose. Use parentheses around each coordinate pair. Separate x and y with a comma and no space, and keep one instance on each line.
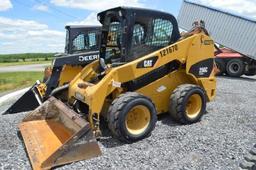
(59,89)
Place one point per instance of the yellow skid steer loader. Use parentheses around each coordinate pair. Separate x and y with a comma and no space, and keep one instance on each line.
(145,68)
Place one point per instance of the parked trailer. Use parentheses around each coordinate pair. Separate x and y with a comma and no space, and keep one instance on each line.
(235,64)
(235,32)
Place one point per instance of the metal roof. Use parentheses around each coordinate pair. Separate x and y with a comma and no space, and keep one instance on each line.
(137,11)
(233,31)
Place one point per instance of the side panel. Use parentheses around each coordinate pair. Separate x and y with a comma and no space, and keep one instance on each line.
(160,90)
(200,64)
(199,68)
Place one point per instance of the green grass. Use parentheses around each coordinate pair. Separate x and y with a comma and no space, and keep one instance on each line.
(24,63)
(18,80)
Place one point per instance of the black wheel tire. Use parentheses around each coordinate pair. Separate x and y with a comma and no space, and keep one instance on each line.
(221,66)
(251,72)
(180,101)
(235,68)
(119,110)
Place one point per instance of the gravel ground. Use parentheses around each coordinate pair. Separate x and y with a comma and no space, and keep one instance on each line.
(219,141)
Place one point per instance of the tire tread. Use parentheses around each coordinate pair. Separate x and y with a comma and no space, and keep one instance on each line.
(116,107)
(177,99)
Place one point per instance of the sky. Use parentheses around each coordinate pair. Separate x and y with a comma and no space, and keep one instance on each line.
(39,25)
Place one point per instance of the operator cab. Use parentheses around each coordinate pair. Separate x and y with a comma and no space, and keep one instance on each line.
(130,33)
(81,39)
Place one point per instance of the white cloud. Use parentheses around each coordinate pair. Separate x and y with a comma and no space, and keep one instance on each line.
(41,7)
(242,7)
(7,23)
(5,5)
(91,19)
(96,6)
(44,32)
(7,43)
(19,36)
(90,5)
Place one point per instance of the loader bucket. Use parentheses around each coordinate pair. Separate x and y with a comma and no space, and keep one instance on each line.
(55,135)
(28,101)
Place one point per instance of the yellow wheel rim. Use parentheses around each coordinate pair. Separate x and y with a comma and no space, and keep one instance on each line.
(193,106)
(137,120)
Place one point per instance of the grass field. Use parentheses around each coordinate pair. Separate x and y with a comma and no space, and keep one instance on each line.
(18,80)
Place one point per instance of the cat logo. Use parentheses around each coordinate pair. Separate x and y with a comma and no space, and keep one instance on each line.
(88,58)
(203,70)
(148,63)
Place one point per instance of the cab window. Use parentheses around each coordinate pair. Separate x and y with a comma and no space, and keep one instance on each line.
(161,33)
(113,48)
(79,43)
(92,40)
(150,34)
(138,35)
(85,42)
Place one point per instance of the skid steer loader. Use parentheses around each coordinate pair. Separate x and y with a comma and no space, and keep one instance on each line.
(82,47)
(150,70)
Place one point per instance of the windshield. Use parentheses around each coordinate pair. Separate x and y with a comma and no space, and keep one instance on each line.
(149,34)
(84,42)
(112,44)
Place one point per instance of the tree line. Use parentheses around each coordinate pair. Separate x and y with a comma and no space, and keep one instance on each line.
(26,57)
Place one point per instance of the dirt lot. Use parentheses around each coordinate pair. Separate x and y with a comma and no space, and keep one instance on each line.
(219,141)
